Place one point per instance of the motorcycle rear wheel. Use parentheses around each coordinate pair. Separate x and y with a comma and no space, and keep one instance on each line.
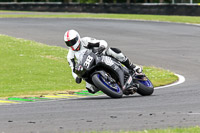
(145,90)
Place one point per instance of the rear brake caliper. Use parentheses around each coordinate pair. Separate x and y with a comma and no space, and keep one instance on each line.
(129,87)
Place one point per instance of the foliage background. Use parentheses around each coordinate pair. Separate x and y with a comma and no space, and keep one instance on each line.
(105,1)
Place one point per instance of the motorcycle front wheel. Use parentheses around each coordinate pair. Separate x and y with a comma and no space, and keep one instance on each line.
(111,89)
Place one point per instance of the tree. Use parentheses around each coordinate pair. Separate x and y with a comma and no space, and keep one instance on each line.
(67,1)
(101,1)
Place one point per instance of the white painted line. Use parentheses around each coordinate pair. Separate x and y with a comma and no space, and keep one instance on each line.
(181,79)
(193,113)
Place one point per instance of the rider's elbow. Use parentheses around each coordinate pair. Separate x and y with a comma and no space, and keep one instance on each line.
(103,43)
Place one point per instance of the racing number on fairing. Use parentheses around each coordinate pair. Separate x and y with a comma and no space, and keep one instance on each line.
(88,61)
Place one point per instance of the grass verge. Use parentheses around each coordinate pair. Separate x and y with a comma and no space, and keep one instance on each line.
(31,68)
(165,18)
(170,130)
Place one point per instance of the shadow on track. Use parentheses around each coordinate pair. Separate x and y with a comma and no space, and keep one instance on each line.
(108,98)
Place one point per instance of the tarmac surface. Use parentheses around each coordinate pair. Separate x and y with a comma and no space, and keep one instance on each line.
(168,45)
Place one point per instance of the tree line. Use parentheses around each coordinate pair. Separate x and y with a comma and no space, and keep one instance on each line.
(89,1)
(104,1)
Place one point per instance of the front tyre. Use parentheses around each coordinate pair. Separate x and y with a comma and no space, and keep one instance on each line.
(111,89)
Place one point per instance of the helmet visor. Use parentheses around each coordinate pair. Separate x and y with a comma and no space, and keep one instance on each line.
(72,42)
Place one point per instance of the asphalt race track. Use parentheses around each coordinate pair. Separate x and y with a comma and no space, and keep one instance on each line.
(168,45)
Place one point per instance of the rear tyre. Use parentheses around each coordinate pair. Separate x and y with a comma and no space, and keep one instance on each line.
(111,89)
(145,87)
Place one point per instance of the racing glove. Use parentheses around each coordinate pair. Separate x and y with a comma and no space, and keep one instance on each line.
(101,49)
(138,69)
(78,80)
(92,45)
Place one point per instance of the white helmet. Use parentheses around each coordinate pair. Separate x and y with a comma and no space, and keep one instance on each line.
(72,39)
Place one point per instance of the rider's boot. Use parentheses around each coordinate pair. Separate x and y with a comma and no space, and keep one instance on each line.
(129,65)
(91,89)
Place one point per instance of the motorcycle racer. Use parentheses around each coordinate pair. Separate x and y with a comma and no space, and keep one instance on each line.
(78,45)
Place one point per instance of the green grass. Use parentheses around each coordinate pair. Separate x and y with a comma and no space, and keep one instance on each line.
(31,68)
(159,76)
(170,130)
(179,19)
